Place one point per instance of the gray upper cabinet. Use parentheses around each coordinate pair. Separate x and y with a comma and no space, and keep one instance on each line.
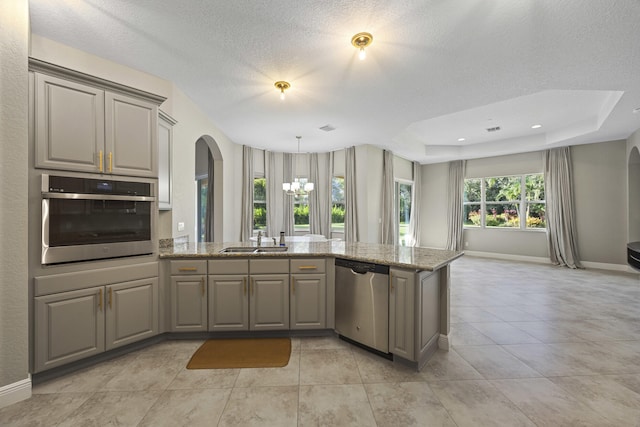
(86,124)
(165,144)
(131,127)
(69,124)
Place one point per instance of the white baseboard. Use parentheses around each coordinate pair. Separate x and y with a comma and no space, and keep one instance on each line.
(509,257)
(541,260)
(14,393)
(606,266)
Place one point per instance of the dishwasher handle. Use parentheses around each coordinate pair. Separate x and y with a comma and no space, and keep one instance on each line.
(358,267)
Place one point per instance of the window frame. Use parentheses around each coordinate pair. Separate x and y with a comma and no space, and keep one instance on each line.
(264,202)
(522,203)
(396,203)
(334,203)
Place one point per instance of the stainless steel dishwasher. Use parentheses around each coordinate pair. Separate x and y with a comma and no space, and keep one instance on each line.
(362,303)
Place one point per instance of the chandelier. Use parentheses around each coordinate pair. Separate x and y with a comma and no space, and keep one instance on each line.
(297,187)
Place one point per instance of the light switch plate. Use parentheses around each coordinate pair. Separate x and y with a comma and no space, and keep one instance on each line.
(181,226)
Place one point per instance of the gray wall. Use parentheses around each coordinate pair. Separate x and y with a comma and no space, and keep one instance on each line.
(14,50)
(633,187)
(600,176)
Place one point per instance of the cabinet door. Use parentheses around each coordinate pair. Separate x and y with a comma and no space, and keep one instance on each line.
(188,303)
(269,302)
(401,313)
(69,124)
(308,301)
(68,326)
(131,145)
(132,312)
(228,303)
(165,142)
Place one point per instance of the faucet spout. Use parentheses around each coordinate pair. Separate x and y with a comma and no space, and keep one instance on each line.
(259,237)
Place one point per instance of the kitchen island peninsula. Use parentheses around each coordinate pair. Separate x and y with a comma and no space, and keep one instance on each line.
(271,288)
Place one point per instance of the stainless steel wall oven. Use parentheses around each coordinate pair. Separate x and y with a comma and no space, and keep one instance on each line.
(86,218)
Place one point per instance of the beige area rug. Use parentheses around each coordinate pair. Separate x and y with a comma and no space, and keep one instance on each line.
(242,353)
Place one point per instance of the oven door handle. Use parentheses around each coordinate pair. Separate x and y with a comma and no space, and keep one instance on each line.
(79,196)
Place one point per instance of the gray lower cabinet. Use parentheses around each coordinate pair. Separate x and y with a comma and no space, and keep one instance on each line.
(188,303)
(189,296)
(228,302)
(73,325)
(248,294)
(308,294)
(401,313)
(68,326)
(414,313)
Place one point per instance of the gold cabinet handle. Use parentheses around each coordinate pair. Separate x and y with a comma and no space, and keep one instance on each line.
(244,286)
(308,267)
(202,285)
(110,162)
(100,162)
(182,269)
(110,297)
(100,299)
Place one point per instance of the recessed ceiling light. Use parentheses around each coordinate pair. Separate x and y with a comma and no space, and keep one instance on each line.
(536,126)
(460,139)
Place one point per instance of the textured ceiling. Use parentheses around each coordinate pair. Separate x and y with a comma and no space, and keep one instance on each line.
(437,70)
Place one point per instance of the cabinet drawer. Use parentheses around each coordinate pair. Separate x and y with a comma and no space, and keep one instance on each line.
(308,265)
(229,266)
(269,266)
(188,267)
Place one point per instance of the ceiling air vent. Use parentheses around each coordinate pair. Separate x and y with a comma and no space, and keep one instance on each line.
(327,128)
(493,129)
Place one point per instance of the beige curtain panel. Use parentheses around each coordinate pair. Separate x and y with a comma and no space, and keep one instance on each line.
(455,213)
(561,223)
(246,212)
(388,206)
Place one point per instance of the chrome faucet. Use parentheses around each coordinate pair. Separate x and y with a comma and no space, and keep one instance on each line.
(274,241)
(259,237)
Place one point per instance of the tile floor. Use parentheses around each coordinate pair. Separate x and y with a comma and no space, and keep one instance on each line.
(533,345)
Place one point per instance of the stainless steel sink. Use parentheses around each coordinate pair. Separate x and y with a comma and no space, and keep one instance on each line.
(238,249)
(272,249)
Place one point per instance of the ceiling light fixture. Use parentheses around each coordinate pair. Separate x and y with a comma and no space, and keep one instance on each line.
(297,188)
(461,139)
(282,86)
(362,40)
(536,126)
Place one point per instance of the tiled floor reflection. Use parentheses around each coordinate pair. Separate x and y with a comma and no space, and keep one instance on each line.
(532,345)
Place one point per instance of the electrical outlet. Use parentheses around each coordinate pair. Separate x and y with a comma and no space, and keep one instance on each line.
(181,226)
(466,244)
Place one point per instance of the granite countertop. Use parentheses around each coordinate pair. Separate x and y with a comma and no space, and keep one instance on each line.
(418,258)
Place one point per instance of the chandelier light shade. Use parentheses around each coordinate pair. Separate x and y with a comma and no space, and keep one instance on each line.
(297,187)
(282,86)
(362,40)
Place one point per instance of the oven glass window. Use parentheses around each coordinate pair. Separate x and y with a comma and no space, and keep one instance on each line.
(85,222)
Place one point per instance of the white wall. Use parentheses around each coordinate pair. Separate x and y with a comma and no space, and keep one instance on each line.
(14,95)
(633,187)
(600,176)
(369,192)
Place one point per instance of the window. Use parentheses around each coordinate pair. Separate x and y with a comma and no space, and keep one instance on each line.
(403,204)
(337,204)
(301,209)
(502,202)
(259,204)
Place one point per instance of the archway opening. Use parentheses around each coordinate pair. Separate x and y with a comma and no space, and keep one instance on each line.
(209,188)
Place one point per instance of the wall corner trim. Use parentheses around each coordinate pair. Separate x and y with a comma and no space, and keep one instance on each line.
(15,392)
